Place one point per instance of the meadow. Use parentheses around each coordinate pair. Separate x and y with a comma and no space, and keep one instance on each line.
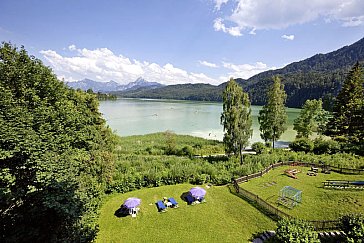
(224,217)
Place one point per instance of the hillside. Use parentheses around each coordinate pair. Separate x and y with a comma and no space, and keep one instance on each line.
(319,76)
(203,92)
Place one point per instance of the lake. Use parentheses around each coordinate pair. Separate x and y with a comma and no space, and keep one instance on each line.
(201,119)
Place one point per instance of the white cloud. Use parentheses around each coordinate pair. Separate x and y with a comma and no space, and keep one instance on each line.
(288,37)
(72,47)
(219,3)
(208,64)
(103,65)
(219,25)
(245,71)
(248,15)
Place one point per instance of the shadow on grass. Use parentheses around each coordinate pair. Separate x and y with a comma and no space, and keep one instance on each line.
(121,212)
(184,196)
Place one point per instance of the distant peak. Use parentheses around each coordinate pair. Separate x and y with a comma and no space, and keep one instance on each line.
(140,80)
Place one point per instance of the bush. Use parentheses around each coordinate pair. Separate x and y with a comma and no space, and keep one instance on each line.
(322,146)
(302,144)
(259,147)
(353,226)
(295,230)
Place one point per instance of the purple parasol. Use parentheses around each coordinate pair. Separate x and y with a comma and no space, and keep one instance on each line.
(197,192)
(132,202)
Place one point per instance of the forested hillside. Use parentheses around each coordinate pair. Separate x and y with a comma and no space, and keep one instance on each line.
(55,154)
(204,92)
(319,76)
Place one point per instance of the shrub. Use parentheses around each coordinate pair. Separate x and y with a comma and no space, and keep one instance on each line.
(259,147)
(295,230)
(322,146)
(302,144)
(353,226)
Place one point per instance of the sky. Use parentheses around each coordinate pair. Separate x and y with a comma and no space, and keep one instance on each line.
(177,41)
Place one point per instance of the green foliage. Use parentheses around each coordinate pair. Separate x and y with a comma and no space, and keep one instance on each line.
(295,230)
(353,226)
(347,122)
(137,168)
(273,117)
(259,147)
(236,119)
(302,144)
(55,154)
(322,146)
(312,118)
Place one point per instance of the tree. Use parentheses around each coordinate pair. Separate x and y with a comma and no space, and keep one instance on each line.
(347,122)
(236,119)
(55,154)
(273,117)
(312,118)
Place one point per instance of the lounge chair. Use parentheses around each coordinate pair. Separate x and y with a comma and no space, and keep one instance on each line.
(161,207)
(174,203)
(133,212)
(190,200)
(201,199)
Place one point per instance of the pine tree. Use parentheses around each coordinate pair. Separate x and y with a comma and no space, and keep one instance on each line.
(347,122)
(236,119)
(273,117)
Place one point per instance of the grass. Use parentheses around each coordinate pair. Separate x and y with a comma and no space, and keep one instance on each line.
(223,218)
(317,203)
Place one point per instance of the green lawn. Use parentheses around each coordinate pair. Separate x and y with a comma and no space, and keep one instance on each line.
(223,218)
(317,203)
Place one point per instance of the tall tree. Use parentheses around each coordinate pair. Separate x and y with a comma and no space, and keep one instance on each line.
(312,118)
(273,117)
(347,122)
(55,154)
(236,119)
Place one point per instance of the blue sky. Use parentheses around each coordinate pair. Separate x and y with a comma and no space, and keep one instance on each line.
(177,41)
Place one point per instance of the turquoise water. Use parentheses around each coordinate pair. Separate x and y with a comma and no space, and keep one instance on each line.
(202,119)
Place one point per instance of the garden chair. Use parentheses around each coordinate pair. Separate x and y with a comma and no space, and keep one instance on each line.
(174,203)
(201,199)
(161,207)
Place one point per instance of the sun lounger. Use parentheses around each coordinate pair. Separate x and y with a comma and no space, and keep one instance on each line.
(190,200)
(174,203)
(201,199)
(161,207)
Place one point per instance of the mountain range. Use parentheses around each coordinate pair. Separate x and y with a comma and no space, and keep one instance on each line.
(319,76)
(112,86)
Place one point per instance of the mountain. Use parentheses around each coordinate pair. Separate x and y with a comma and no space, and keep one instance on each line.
(112,86)
(140,83)
(319,76)
(86,84)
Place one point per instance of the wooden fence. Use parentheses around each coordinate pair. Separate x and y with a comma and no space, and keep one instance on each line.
(305,164)
(274,212)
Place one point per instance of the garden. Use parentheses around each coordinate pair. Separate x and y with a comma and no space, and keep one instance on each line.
(318,203)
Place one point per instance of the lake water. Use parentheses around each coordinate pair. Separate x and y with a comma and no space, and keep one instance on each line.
(202,119)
